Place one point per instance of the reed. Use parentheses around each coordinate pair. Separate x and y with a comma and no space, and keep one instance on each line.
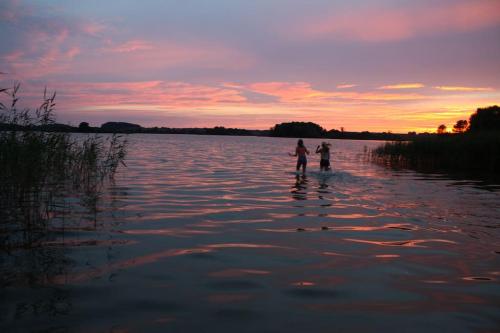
(39,168)
(477,153)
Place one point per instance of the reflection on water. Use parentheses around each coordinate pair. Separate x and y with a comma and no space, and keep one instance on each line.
(218,232)
(299,191)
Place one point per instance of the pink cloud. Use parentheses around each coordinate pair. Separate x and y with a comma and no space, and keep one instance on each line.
(13,56)
(73,52)
(48,47)
(11,10)
(375,24)
(93,28)
(147,94)
(131,46)
(51,47)
(287,91)
(303,92)
(140,56)
(43,53)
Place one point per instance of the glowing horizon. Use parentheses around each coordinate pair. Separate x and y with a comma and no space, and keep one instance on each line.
(394,67)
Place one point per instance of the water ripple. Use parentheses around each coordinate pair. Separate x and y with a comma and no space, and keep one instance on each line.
(222,229)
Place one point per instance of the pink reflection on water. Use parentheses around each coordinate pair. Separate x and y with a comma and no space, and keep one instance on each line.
(282,215)
(303,284)
(278,230)
(356,216)
(151,258)
(329,253)
(168,232)
(235,221)
(400,226)
(200,211)
(245,246)
(387,256)
(205,225)
(235,272)
(407,243)
(138,261)
(88,242)
(345,215)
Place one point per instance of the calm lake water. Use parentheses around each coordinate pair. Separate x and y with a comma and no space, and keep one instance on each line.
(217,234)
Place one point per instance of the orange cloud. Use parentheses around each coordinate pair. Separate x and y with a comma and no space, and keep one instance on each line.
(375,24)
(403,86)
(376,96)
(458,88)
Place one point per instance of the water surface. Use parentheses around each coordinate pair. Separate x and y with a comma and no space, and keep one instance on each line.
(208,233)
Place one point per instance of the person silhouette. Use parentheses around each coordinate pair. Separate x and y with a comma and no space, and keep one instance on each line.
(301,152)
(324,150)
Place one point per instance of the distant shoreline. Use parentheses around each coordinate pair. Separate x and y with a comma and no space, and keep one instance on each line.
(127,128)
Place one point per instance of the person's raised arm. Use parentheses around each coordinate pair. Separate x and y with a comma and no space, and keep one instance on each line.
(293,154)
(318,149)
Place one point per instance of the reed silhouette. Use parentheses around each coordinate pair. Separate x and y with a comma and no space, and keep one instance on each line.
(41,169)
(476,149)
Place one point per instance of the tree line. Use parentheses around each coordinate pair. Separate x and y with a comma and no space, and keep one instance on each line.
(474,148)
(484,119)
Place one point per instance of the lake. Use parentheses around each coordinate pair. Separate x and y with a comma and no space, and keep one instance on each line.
(218,234)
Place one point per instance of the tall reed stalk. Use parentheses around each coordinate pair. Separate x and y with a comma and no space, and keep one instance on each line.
(37,167)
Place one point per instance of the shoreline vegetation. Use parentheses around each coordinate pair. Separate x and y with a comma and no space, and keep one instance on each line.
(43,174)
(289,129)
(473,148)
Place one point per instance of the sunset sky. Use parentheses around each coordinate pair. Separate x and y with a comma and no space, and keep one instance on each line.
(383,65)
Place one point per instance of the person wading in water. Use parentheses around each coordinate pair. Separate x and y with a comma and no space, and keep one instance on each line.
(324,150)
(301,152)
